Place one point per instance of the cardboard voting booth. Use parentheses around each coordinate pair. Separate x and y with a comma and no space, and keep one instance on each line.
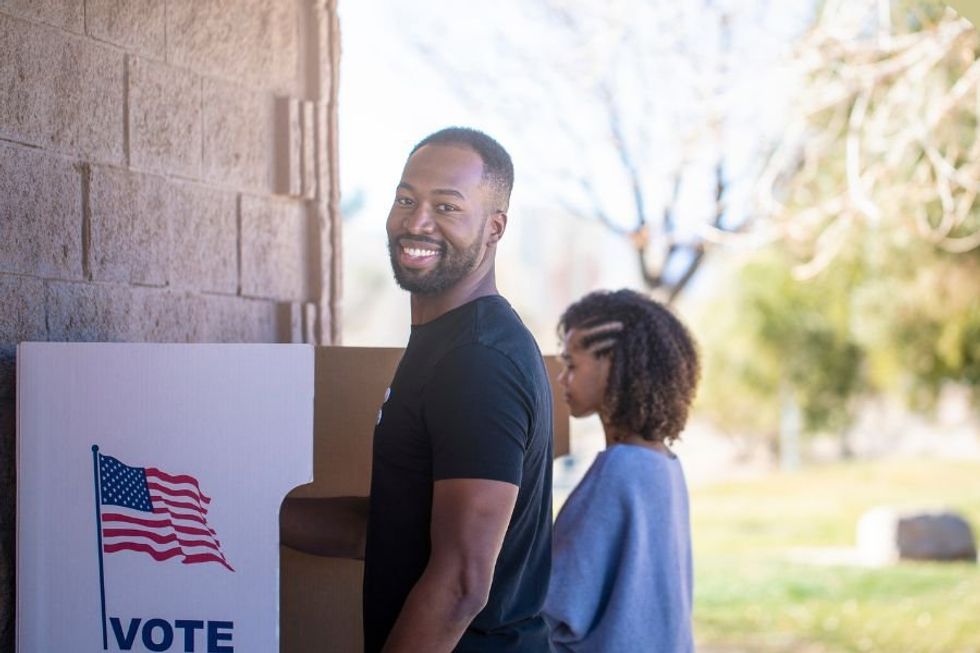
(150,479)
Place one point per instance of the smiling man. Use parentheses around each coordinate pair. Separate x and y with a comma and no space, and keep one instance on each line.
(459,531)
(458,548)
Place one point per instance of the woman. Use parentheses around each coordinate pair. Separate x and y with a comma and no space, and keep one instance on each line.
(622,575)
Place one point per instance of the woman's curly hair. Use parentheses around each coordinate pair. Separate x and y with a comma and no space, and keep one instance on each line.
(654,369)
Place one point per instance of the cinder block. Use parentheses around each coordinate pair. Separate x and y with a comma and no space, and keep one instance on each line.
(22,318)
(40,214)
(119,313)
(290,322)
(308,155)
(66,14)
(325,131)
(21,309)
(205,240)
(250,41)
(164,118)
(171,316)
(238,130)
(319,33)
(289,144)
(329,30)
(8,432)
(237,319)
(275,249)
(90,312)
(131,215)
(8,380)
(8,501)
(327,331)
(60,91)
(295,139)
(136,25)
(309,323)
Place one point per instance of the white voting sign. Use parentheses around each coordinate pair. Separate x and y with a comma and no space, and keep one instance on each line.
(149,481)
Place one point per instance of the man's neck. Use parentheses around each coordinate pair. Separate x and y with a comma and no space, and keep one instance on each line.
(426,308)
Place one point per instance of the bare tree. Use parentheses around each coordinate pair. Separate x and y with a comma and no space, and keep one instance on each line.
(862,115)
(628,106)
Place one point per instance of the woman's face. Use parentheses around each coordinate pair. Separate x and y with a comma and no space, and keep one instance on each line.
(583,378)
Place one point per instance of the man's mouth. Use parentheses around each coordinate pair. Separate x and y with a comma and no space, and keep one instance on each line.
(419,252)
(414,253)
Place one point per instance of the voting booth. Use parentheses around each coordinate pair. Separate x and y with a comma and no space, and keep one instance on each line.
(150,478)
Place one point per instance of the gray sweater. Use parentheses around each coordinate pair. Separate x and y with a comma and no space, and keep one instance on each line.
(621,575)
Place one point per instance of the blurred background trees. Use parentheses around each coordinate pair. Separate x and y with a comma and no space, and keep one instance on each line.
(798,178)
(871,283)
(651,118)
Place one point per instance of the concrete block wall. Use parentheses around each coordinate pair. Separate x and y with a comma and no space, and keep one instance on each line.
(167,174)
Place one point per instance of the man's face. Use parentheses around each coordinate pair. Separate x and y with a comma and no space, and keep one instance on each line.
(437,227)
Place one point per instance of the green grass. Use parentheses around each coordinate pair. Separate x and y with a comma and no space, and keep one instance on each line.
(750,594)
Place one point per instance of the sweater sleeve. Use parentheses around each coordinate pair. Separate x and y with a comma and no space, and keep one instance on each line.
(621,578)
(588,540)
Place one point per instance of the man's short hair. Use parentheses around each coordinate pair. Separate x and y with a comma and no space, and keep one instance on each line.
(498,169)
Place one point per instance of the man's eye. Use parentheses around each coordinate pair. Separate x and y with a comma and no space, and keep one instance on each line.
(403,201)
(446,208)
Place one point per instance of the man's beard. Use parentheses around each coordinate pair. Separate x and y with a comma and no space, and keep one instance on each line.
(453,266)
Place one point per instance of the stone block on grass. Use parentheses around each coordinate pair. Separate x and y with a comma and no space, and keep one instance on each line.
(888,535)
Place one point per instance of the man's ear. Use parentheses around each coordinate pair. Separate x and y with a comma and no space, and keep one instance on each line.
(497,224)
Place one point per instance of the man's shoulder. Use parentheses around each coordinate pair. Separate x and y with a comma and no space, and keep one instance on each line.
(497,326)
(485,336)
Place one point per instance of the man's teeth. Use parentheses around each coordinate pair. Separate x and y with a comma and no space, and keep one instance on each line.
(416,251)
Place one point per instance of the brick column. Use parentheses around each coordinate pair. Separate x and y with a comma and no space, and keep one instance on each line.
(167,174)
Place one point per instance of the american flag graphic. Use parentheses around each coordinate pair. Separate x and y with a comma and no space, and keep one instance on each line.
(163,515)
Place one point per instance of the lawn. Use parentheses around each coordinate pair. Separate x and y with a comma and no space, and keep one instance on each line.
(753,594)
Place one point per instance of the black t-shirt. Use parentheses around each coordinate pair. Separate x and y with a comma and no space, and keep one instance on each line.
(470,399)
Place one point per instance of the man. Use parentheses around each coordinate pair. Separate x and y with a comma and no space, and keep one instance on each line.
(459,528)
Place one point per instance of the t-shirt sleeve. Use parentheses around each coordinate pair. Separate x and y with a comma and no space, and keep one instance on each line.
(478,411)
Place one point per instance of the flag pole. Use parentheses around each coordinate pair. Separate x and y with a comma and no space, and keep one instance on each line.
(98,530)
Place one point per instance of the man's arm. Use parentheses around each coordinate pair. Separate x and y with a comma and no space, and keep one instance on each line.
(334,527)
(469,520)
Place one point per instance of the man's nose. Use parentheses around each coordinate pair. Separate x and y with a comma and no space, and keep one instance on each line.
(419,220)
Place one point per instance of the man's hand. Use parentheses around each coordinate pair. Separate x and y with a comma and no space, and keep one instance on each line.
(335,527)
(469,520)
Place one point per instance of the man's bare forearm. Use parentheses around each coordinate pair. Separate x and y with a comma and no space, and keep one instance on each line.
(436,613)
(333,527)
(469,520)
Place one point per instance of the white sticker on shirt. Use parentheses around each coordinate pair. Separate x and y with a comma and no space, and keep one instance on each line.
(381,410)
